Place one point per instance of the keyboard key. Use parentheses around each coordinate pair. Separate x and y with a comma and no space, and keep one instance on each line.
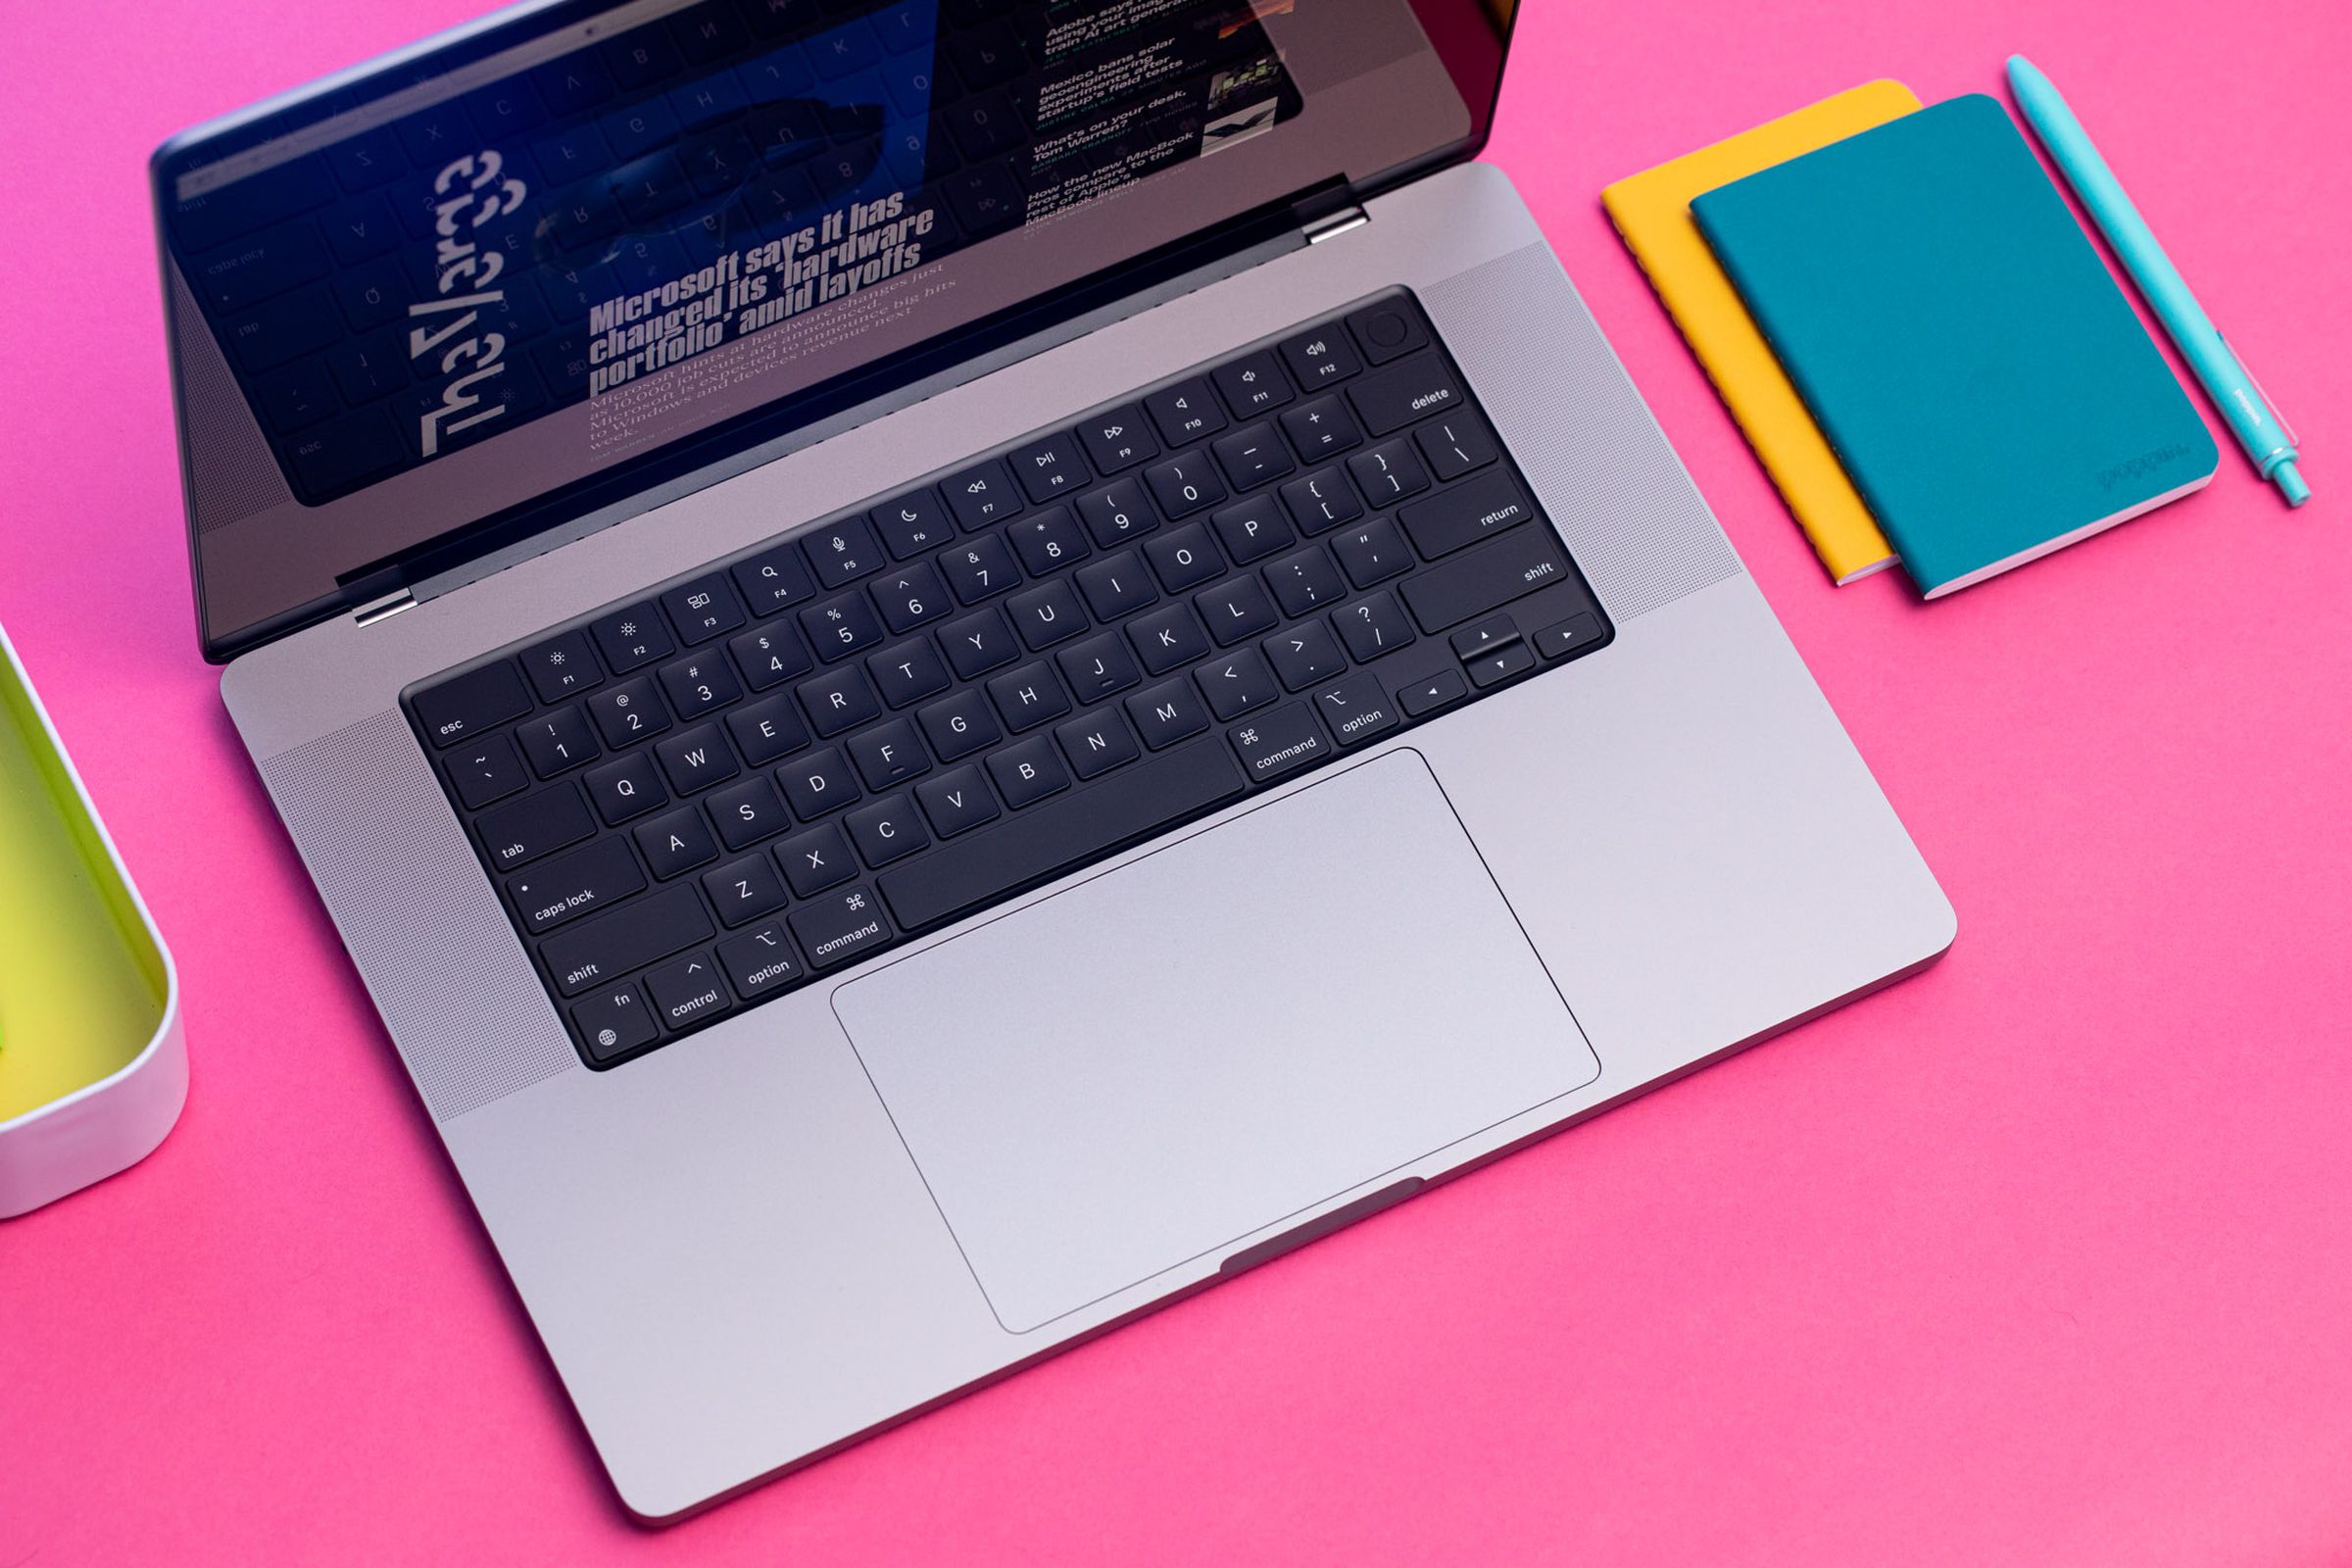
(1047,614)
(1571,636)
(1184,484)
(819,783)
(631,637)
(1027,697)
(1185,559)
(1320,429)
(889,754)
(1049,541)
(613,1020)
(1320,357)
(1485,577)
(696,685)
(1048,467)
(1442,690)
(1388,400)
(608,945)
(978,642)
(1236,684)
(1097,668)
(1252,384)
(1117,512)
(522,830)
(744,889)
(1280,743)
(1465,513)
(815,859)
(676,843)
(1236,610)
(1167,638)
(907,672)
(1456,445)
(1119,587)
(914,524)
(1027,771)
(687,991)
(1252,456)
(982,494)
(1372,626)
(843,552)
(887,830)
(1253,530)
(1303,655)
(769,656)
(1373,553)
(1168,712)
(910,597)
(562,667)
(956,802)
(1096,742)
(478,699)
(1488,669)
(630,711)
(980,569)
(627,787)
(486,770)
(839,927)
(1388,472)
(1185,413)
(839,700)
(840,627)
(1483,637)
(960,724)
(974,870)
(558,741)
(1304,582)
(761,959)
(1388,329)
(1118,439)
(1321,500)
(696,758)
(1354,710)
(774,580)
(747,812)
(330,458)
(572,885)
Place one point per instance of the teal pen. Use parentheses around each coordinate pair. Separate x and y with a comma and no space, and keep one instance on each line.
(2269,443)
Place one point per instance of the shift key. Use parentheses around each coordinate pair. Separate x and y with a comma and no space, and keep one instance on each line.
(1485,576)
(610,945)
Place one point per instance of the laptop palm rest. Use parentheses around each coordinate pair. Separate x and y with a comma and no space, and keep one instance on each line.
(1160,1063)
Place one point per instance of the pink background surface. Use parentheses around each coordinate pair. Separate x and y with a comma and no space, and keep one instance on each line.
(2042,1257)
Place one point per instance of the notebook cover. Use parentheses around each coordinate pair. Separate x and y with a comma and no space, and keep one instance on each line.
(1981,378)
(1652,214)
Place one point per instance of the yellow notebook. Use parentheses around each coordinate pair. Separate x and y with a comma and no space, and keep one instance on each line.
(1653,212)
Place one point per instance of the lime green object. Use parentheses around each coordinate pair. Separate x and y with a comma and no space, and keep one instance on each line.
(92,1068)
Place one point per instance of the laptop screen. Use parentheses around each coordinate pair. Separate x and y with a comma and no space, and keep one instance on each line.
(530,266)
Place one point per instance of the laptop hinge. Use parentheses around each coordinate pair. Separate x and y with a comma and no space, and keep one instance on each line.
(1338,222)
(392,603)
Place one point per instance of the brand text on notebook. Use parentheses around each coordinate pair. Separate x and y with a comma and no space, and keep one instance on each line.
(2146,463)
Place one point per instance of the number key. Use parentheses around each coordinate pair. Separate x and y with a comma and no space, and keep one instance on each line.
(697,685)
(1047,541)
(980,569)
(557,741)
(629,712)
(909,598)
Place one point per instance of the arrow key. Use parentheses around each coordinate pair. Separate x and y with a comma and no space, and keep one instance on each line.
(1502,664)
(1442,690)
(1484,637)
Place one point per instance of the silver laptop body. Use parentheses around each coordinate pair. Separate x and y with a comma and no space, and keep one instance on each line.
(934,1165)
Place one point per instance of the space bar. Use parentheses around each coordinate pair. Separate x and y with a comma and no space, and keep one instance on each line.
(969,872)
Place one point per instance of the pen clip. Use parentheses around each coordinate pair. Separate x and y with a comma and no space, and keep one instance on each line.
(2269,402)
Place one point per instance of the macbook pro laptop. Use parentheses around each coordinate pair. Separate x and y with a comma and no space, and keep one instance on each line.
(954,667)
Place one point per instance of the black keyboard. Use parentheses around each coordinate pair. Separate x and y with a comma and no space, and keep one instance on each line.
(793,758)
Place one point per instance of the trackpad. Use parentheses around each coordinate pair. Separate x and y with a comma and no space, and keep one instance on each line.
(1223,1036)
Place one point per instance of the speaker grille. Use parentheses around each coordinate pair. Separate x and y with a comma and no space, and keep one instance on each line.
(1573,418)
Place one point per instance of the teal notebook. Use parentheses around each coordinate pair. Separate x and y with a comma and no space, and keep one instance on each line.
(1984,382)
